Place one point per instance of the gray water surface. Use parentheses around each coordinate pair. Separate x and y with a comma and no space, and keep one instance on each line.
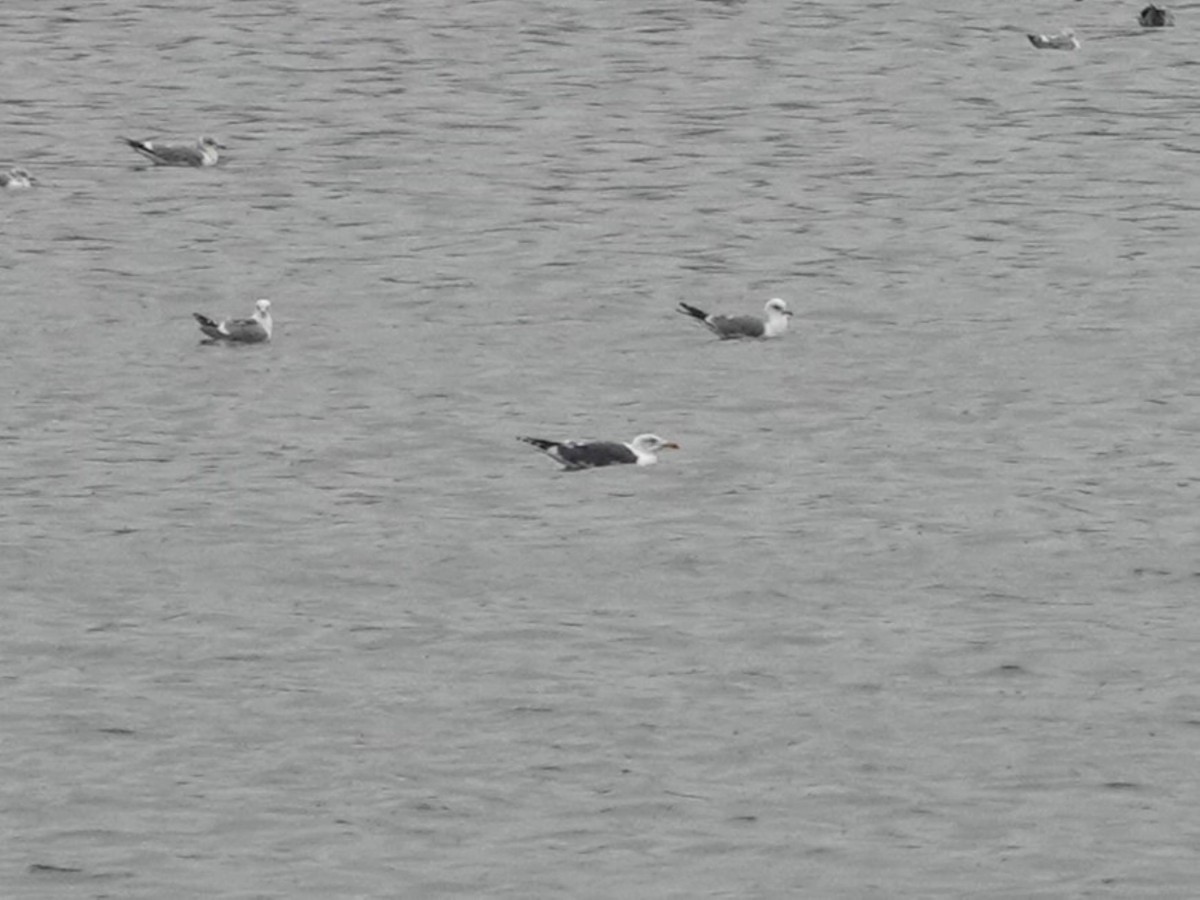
(909,615)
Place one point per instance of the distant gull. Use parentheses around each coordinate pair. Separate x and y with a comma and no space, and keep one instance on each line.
(15,179)
(247,331)
(1064,40)
(1155,17)
(725,327)
(201,153)
(575,455)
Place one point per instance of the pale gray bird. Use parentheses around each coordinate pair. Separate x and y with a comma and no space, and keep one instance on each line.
(245,331)
(16,179)
(774,324)
(202,153)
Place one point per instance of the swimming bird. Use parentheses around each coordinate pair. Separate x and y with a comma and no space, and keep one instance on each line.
(1155,17)
(202,153)
(15,179)
(1064,40)
(246,331)
(576,455)
(726,327)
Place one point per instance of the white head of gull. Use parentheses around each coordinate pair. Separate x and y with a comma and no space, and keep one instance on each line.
(253,330)
(575,455)
(773,323)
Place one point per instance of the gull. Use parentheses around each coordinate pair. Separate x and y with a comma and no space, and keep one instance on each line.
(726,327)
(246,331)
(15,179)
(1064,40)
(576,455)
(202,153)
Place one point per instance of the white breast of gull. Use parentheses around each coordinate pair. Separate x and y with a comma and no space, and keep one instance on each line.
(773,323)
(575,455)
(254,330)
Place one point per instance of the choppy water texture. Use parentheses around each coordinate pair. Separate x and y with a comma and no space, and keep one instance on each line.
(910,615)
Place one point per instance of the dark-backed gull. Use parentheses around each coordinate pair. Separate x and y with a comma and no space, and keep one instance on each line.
(574,455)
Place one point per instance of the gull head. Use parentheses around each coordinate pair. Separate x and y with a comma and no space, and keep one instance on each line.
(207,141)
(262,315)
(777,307)
(651,444)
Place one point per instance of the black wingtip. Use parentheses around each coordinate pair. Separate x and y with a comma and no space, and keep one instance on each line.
(210,328)
(692,311)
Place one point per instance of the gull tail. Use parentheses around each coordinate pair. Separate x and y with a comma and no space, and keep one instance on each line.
(208,326)
(144,148)
(692,311)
